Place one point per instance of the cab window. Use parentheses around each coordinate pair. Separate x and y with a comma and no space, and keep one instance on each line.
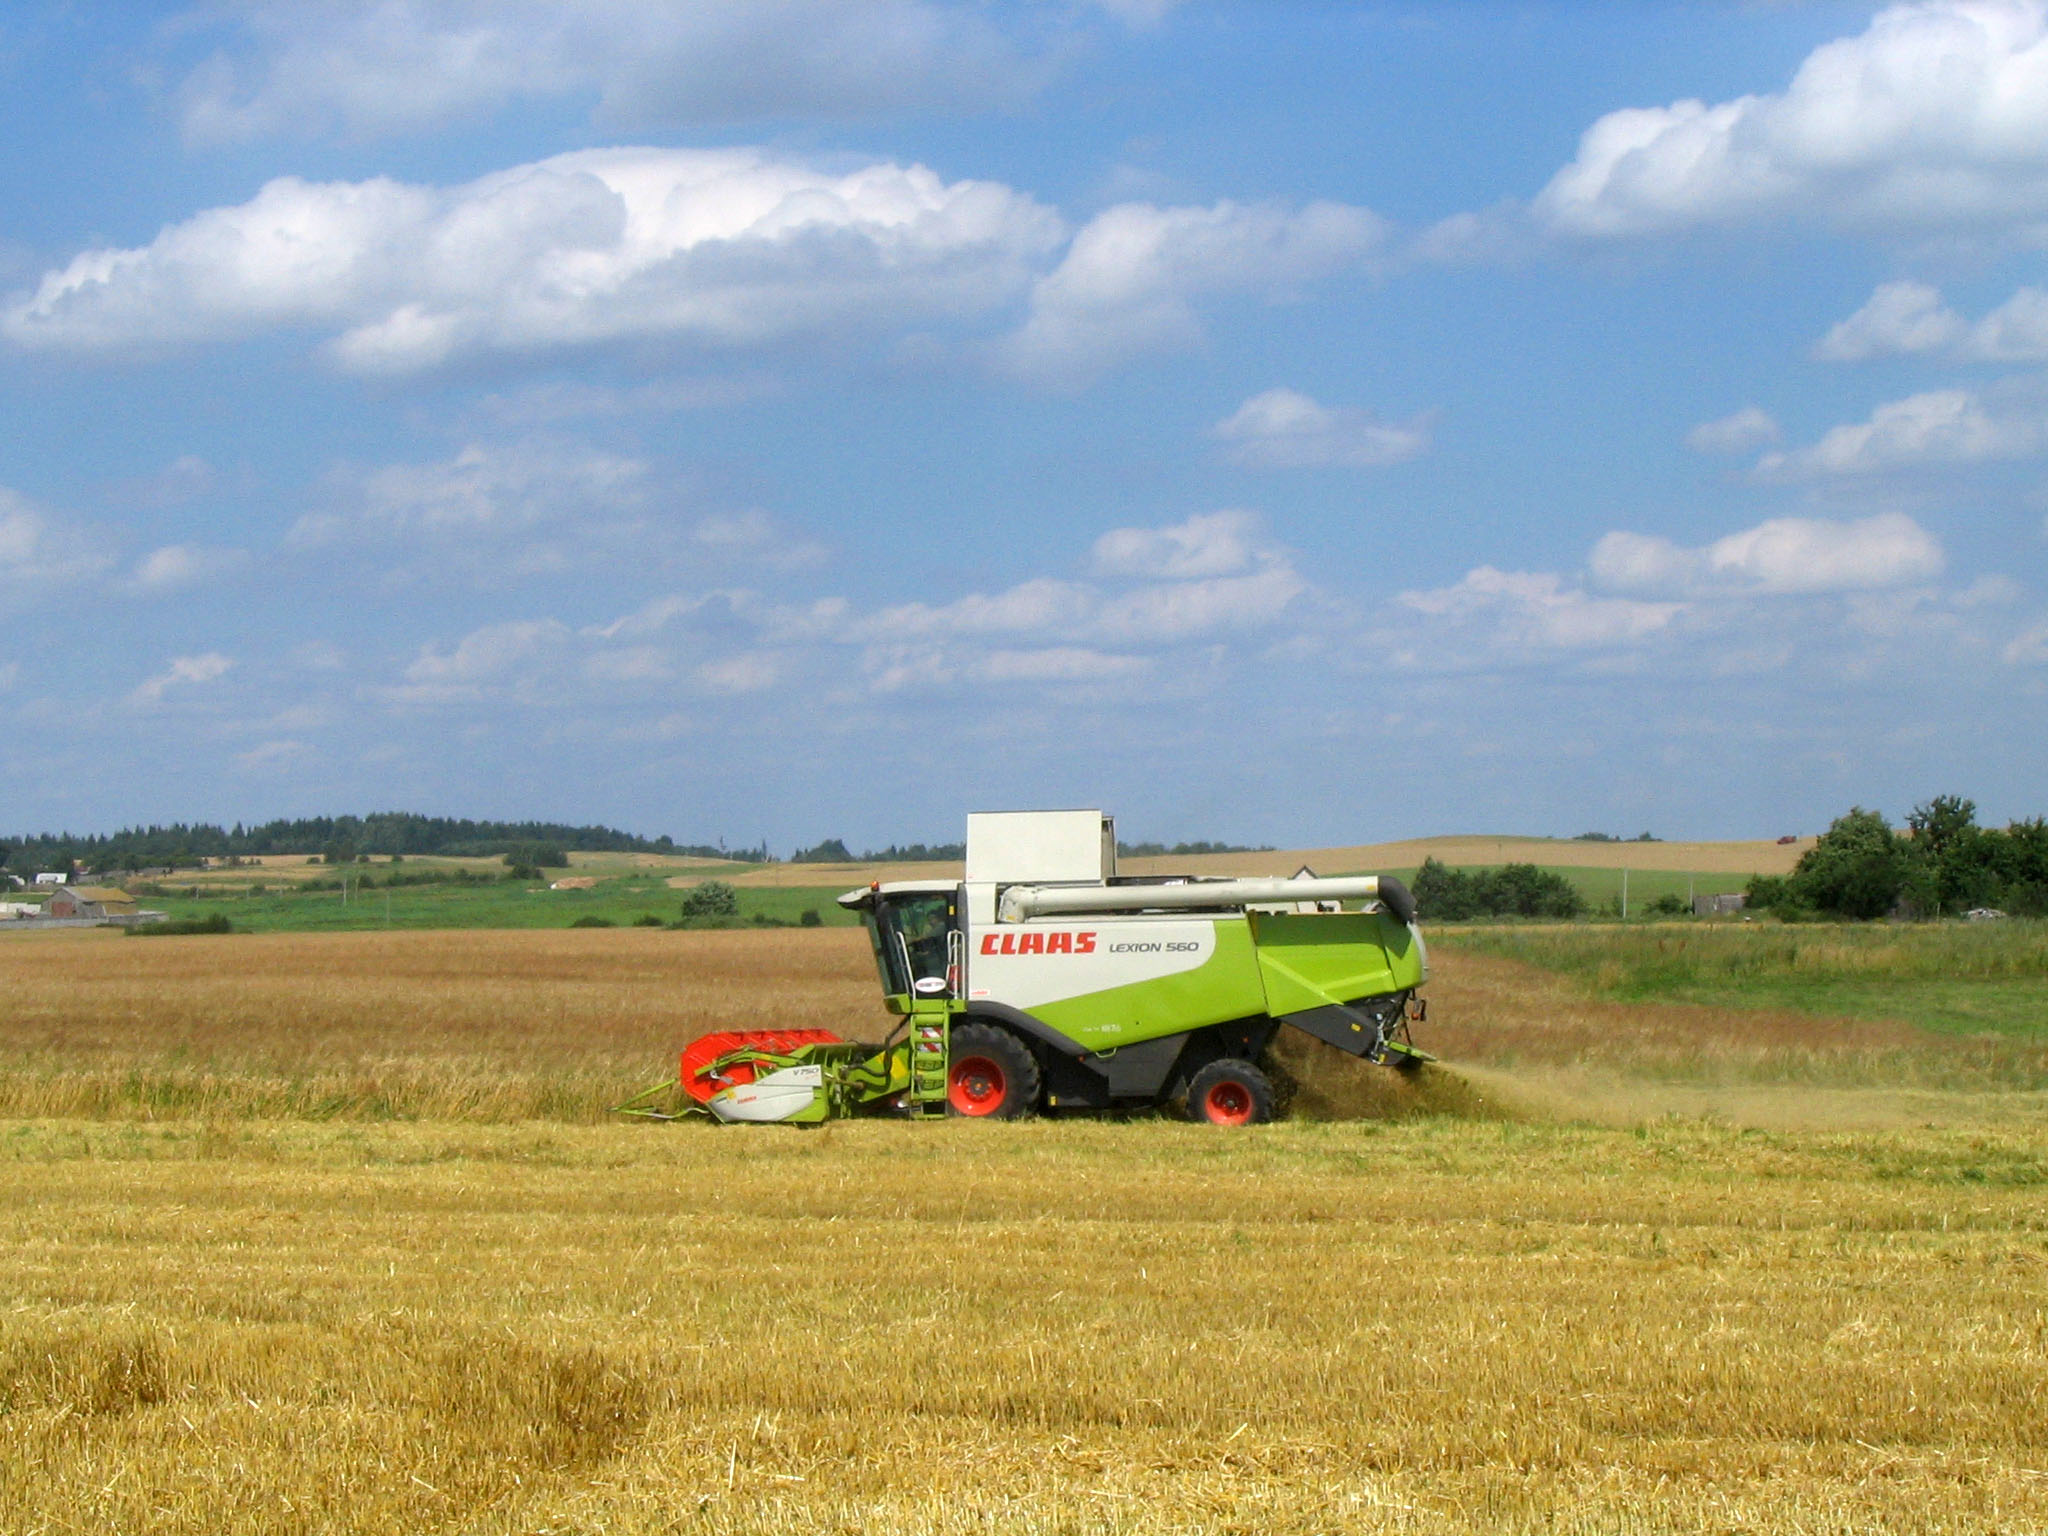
(922,920)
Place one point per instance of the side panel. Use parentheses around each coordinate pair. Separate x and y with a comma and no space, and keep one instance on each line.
(1311,959)
(1157,977)
(1029,964)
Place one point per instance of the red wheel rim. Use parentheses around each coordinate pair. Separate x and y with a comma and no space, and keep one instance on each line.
(1228,1103)
(976,1086)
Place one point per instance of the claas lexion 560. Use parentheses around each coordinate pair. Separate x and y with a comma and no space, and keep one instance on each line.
(1046,982)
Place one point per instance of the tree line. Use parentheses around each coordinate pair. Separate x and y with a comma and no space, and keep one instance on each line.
(339,839)
(1940,864)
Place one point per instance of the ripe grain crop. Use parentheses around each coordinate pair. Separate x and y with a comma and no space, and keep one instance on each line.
(481,1025)
(559,1024)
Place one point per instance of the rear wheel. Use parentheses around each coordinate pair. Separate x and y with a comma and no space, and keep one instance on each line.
(990,1074)
(1230,1092)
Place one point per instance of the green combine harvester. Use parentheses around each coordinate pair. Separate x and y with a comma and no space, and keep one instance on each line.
(1046,982)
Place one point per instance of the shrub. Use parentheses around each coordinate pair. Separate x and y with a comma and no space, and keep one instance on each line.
(537,856)
(810,919)
(1513,890)
(1776,895)
(592,920)
(216,922)
(714,898)
(647,920)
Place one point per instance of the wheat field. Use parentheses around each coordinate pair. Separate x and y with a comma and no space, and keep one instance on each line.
(1762,856)
(328,1233)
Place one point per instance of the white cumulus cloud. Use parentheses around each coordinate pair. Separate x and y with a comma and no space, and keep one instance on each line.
(493,655)
(1903,318)
(2029,648)
(748,672)
(2016,331)
(1539,610)
(38,549)
(397,66)
(1898,318)
(1188,610)
(1060,664)
(1936,115)
(1285,429)
(182,565)
(1202,578)
(709,247)
(273,756)
(494,486)
(1206,544)
(1942,426)
(183,672)
(1747,429)
(1783,555)
(1128,282)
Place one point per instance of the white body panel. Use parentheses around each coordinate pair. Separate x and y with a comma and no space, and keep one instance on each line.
(774,1097)
(1026,966)
(1040,846)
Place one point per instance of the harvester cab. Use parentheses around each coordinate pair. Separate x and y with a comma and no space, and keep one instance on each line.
(1045,981)
(919,943)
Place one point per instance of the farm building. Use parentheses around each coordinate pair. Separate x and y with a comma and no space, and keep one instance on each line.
(91,901)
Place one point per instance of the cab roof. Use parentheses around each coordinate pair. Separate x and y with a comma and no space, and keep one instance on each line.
(863,897)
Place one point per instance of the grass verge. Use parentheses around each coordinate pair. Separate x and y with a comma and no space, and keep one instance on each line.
(1956,978)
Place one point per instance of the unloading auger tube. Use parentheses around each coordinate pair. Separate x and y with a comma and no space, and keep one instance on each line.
(1042,981)
(1026,901)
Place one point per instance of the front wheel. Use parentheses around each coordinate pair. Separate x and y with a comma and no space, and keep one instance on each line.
(1230,1093)
(990,1073)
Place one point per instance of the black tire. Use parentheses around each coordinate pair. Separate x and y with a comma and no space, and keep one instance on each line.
(990,1074)
(1230,1092)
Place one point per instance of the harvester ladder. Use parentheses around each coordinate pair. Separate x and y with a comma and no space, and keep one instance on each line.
(931,1021)
(928,1060)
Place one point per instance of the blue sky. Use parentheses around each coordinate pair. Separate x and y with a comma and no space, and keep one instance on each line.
(1308,423)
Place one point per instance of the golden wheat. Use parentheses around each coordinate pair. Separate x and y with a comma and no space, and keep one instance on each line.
(1146,1327)
(553,1024)
(306,1298)
(560,1024)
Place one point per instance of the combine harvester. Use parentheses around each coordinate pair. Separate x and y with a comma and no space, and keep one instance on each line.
(1046,981)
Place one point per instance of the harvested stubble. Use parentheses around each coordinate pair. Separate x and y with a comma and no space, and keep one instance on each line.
(1432,1326)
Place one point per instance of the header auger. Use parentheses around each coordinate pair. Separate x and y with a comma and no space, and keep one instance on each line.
(1044,981)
